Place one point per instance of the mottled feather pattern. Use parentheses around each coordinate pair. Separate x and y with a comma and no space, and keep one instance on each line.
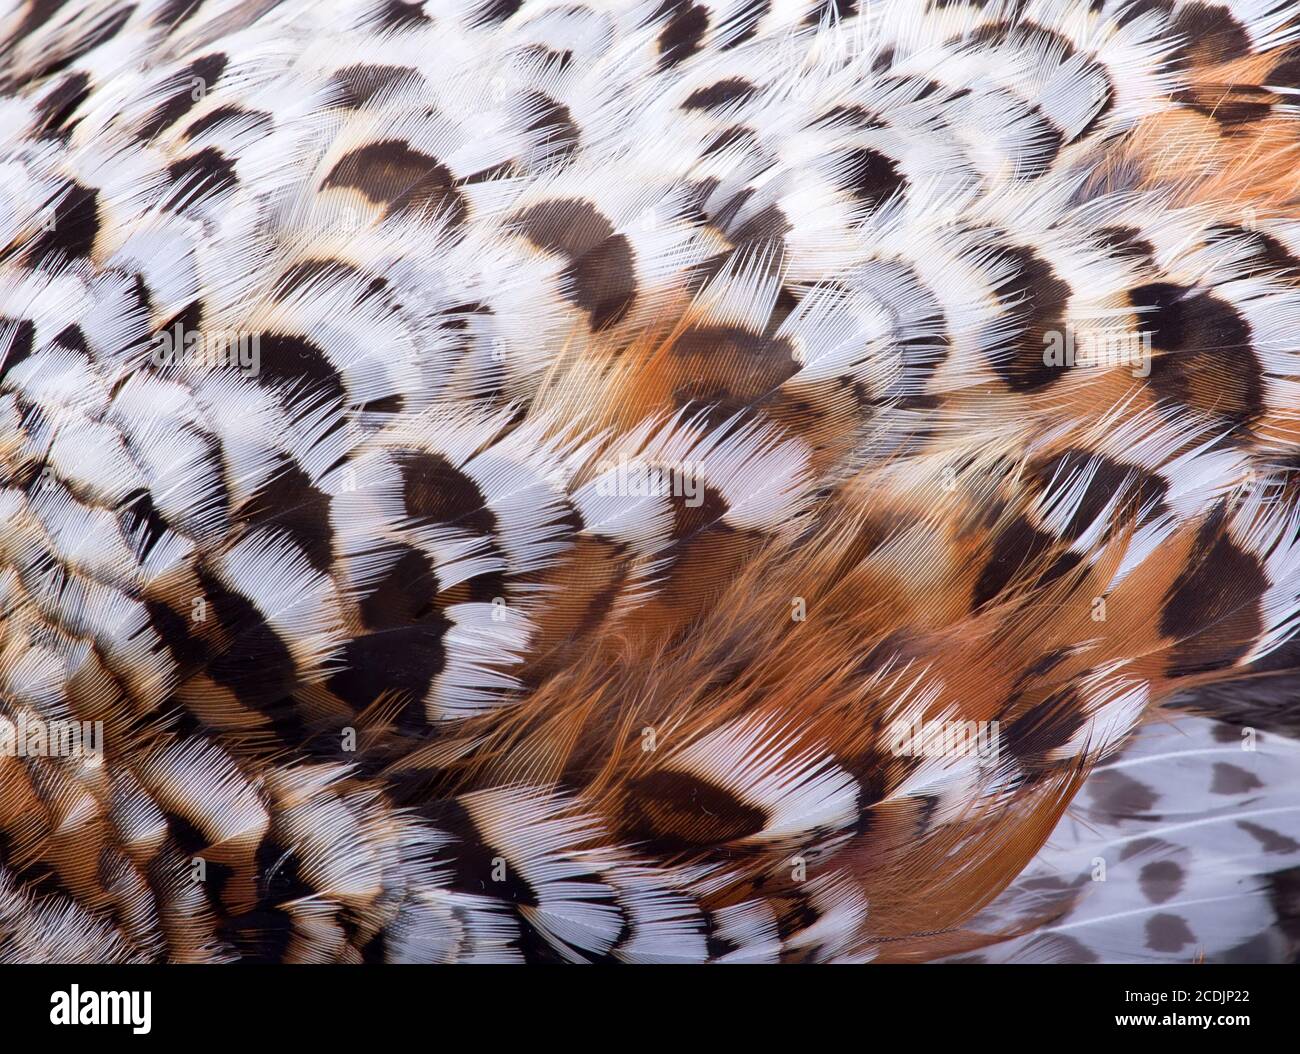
(504,477)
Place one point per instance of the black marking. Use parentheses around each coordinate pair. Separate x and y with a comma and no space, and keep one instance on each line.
(723,93)
(548,56)
(189,652)
(228,114)
(200,176)
(187,89)
(280,876)
(1208,361)
(357,85)
(74,226)
(438,493)
(872,177)
(1138,8)
(1267,254)
(766,227)
(262,936)
(174,12)
(38,14)
(745,22)
(840,9)
(1213,608)
(730,367)
(684,33)
(1045,727)
(306,274)
(1019,547)
(397,15)
(1210,33)
(391,174)
(1044,147)
(1127,243)
(553,120)
(291,503)
(1104,108)
(141,521)
(496,11)
(601,276)
(854,116)
(19,338)
(1286,74)
(1036,300)
(400,662)
(477,867)
(58,105)
(670,812)
(692,515)
(1232,107)
(107,29)
(257,666)
(73,337)
(300,368)
(404,594)
(736,135)
(1109,479)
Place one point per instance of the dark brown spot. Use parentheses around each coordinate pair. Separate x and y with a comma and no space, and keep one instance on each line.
(141,521)
(201,176)
(300,368)
(438,493)
(290,503)
(390,173)
(17,341)
(1213,608)
(399,15)
(601,276)
(553,122)
(256,665)
(684,33)
(355,86)
(1107,480)
(1044,728)
(73,226)
(1229,779)
(185,90)
(1270,841)
(1168,933)
(723,93)
(671,812)
(839,9)
(1127,243)
(1120,796)
(736,135)
(1160,880)
(1210,35)
(1020,548)
(1036,301)
(404,593)
(495,11)
(58,105)
(744,22)
(872,177)
(223,115)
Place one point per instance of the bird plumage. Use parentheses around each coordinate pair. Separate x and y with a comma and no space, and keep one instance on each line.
(502,472)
